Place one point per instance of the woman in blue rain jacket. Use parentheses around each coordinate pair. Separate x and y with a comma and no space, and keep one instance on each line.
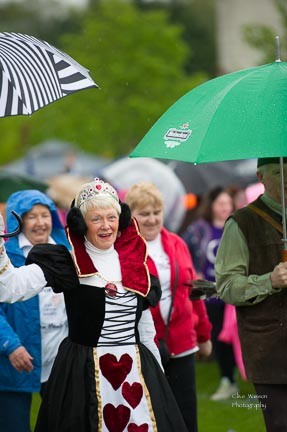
(34,327)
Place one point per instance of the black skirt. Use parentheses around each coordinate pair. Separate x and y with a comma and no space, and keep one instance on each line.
(72,401)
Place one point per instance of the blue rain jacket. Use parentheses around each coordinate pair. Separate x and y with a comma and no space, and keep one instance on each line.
(20,322)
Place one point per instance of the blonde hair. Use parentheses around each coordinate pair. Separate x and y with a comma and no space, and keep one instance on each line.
(143,194)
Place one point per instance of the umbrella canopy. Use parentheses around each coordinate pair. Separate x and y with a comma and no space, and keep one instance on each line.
(33,74)
(10,183)
(240,115)
(125,172)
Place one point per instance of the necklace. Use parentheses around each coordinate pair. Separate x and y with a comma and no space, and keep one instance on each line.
(110,287)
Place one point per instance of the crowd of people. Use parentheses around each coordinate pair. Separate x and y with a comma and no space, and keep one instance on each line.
(98,315)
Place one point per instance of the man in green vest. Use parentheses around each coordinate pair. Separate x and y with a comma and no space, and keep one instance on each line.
(250,274)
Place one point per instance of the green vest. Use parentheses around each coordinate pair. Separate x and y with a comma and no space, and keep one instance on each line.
(263,327)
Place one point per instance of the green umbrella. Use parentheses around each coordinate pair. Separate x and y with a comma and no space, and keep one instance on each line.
(240,115)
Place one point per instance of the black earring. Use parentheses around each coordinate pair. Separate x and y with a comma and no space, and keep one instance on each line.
(76,222)
(125,216)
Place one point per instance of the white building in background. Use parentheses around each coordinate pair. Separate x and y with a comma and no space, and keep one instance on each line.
(233,52)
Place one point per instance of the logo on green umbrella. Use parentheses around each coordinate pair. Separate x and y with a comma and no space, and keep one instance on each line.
(174,137)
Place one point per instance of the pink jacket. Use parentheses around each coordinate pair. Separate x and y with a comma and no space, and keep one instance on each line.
(189,322)
(229,334)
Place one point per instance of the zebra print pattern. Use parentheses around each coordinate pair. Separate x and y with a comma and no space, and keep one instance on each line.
(33,74)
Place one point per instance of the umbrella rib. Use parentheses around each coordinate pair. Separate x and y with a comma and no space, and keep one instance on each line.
(69,78)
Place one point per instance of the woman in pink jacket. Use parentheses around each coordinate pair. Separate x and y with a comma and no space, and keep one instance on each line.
(181,323)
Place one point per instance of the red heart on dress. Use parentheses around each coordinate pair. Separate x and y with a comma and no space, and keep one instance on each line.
(132,427)
(116,418)
(115,371)
(132,393)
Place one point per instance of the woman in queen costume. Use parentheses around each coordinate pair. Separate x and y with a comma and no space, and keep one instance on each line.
(106,376)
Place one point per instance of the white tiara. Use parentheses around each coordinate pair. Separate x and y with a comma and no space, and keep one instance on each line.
(96,189)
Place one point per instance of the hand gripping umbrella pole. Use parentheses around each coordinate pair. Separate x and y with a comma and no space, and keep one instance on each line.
(282,181)
(18,229)
(284,238)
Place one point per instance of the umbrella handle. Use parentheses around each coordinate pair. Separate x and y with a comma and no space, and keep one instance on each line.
(18,229)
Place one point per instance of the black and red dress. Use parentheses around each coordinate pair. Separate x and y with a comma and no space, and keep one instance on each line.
(104,379)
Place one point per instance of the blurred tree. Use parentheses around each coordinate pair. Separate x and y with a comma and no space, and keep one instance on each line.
(197,18)
(138,59)
(262,37)
(40,18)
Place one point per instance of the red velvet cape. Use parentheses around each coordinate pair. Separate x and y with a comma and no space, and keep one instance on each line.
(132,250)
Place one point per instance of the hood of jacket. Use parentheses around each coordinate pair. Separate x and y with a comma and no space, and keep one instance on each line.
(22,202)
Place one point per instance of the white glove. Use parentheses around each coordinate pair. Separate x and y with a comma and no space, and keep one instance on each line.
(2,229)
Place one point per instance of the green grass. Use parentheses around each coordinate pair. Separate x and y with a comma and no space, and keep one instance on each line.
(35,407)
(212,416)
(224,416)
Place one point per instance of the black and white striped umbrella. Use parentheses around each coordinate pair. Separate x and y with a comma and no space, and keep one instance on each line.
(33,74)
